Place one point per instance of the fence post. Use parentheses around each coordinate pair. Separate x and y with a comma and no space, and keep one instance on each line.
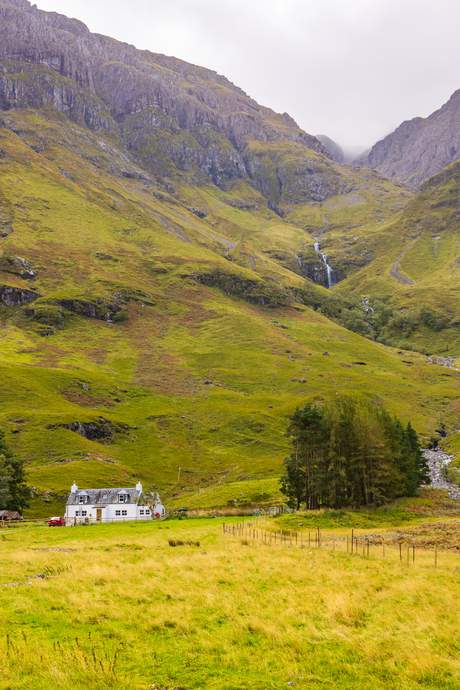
(435,555)
(368,548)
(352,542)
(223,528)
(408,548)
(400,552)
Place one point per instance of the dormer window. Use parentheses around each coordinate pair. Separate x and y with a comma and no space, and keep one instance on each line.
(82,499)
(123,498)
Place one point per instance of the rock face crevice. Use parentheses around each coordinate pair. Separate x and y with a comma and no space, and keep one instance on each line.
(172,116)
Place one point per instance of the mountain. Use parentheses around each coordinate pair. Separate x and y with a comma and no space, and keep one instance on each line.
(420,148)
(165,252)
(336,150)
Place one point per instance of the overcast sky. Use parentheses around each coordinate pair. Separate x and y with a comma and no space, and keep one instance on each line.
(351,69)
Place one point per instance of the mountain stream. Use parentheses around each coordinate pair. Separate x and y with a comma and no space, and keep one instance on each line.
(331,277)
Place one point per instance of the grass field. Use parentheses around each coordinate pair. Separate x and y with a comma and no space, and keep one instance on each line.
(119,607)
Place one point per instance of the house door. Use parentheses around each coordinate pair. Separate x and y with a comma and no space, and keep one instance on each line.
(99,514)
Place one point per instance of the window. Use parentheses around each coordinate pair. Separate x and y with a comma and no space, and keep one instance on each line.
(141,512)
(123,498)
(124,512)
(147,512)
(77,513)
(82,499)
(117,512)
(84,513)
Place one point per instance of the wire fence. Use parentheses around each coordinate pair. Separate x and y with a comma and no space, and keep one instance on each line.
(407,552)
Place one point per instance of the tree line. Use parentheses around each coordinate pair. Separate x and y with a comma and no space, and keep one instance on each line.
(350,453)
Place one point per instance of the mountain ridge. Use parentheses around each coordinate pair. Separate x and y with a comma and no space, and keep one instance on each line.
(421,147)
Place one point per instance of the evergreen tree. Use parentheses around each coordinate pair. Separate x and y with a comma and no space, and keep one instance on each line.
(350,453)
(14,493)
(303,480)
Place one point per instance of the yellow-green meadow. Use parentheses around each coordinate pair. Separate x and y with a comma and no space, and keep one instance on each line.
(119,607)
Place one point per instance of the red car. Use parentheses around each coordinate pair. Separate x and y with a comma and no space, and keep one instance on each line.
(56,522)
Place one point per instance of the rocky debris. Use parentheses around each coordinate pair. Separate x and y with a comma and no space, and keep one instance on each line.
(46,550)
(14,297)
(449,362)
(436,460)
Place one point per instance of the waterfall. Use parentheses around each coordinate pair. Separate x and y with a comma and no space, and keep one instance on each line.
(331,279)
(368,309)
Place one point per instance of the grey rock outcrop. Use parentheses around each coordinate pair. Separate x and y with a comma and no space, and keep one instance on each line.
(171,116)
(13,297)
(420,148)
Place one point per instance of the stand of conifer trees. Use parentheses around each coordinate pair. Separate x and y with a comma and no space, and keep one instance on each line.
(350,453)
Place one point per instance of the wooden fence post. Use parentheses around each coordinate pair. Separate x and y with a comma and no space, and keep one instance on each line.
(408,548)
(223,528)
(435,555)
(352,542)
(400,552)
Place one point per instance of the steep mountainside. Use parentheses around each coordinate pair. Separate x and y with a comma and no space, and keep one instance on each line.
(421,147)
(335,149)
(162,301)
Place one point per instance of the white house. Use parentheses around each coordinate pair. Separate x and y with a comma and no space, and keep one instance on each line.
(110,505)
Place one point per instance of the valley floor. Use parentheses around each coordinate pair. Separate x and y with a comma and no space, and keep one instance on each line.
(182,604)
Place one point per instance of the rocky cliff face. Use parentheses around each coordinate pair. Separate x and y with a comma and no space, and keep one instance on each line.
(336,150)
(173,117)
(421,147)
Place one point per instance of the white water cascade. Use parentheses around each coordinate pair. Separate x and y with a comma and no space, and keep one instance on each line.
(331,278)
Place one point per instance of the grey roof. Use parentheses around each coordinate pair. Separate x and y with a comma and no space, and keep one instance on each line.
(102,496)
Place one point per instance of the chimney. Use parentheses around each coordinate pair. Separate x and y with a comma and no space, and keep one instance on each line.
(73,488)
(139,487)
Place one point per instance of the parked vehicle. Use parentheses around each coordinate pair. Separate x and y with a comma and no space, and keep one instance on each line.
(56,522)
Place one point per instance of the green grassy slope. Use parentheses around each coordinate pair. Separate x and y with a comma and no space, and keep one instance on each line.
(189,376)
(416,262)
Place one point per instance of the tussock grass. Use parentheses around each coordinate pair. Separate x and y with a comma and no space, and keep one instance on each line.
(230,616)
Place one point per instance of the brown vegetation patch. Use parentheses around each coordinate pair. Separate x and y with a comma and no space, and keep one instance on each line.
(50,355)
(98,356)
(166,376)
(86,399)
(195,316)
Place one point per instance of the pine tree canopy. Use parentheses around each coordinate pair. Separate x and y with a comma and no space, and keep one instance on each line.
(14,493)
(350,453)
